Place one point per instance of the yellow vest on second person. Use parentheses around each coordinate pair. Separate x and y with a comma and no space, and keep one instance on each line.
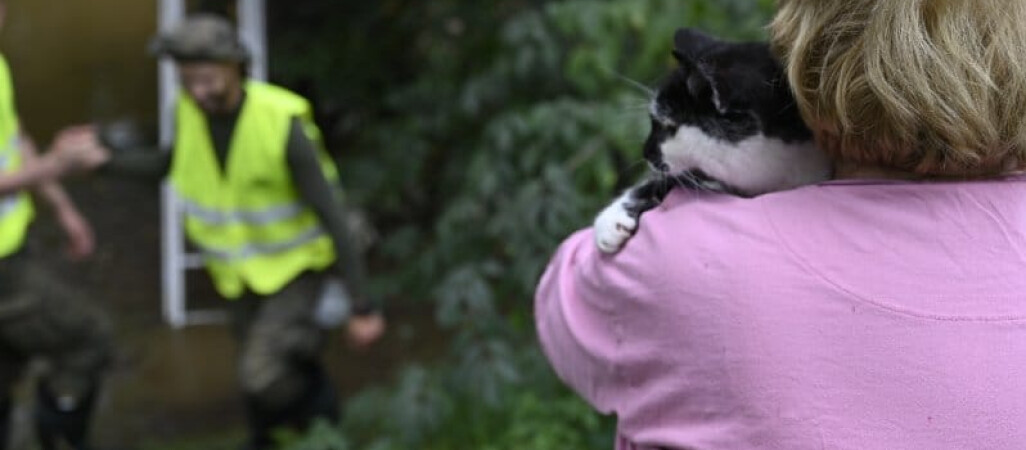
(248,219)
(16,210)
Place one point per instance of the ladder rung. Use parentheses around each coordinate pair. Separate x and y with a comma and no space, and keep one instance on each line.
(206,317)
(192,261)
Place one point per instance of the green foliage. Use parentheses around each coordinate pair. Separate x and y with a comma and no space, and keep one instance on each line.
(478,137)
(228,439)
(561,423)
(322,435)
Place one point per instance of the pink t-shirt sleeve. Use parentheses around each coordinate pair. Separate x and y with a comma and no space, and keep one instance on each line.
(574,329)
(593,312)
(588,304)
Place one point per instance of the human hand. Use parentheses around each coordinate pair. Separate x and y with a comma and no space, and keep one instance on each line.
(77,149)
(365,330)
(81,240)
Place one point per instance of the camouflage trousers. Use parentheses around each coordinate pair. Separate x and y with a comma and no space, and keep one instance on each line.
(42,318)
(281,343)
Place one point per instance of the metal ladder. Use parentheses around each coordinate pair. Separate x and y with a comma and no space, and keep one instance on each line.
(176,261)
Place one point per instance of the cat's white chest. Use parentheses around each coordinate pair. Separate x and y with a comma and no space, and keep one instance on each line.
(754,165)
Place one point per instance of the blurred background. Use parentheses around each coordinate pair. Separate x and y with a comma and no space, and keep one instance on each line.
(474,134)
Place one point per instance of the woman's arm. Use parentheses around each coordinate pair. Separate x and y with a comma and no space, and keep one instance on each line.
(577,329)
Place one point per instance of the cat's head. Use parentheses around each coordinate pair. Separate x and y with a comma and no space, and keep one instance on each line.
(717,111)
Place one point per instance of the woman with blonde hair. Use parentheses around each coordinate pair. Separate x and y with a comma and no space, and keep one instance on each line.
(883,309)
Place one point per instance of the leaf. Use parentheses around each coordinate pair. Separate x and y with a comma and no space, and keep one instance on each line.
(464,296)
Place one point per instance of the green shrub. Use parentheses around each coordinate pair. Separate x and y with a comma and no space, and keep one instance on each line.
(478,136)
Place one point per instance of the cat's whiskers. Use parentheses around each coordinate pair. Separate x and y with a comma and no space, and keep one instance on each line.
(632,112)
(634,165)
(637,105)
(664,180)
(637,84)
(679,182)
(693,183)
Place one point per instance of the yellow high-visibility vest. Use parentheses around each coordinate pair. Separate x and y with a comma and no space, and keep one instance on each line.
(248,220)
(16,211)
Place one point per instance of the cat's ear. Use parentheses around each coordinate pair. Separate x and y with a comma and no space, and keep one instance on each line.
(744,79)
(703,82)
(725,95)
(689,44)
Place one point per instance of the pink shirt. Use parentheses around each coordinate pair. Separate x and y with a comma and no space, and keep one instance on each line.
(847,315)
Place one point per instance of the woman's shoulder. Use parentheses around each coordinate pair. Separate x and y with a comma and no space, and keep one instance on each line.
(809,203)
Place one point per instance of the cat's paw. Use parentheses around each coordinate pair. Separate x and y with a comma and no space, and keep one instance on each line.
(613,227)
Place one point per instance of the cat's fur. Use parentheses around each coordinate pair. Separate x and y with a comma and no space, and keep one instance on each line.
(724,120)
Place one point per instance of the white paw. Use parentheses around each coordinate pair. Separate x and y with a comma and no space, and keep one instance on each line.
(613,227)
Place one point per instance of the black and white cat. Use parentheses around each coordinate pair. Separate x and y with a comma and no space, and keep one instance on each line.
(725,120)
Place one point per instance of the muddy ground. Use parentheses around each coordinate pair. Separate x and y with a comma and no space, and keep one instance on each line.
(177,385)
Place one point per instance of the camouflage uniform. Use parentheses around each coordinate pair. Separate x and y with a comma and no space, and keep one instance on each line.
(42,318)
(279,365)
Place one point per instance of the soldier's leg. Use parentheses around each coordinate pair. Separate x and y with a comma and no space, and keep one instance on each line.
(74,338)
(12,365)
(280,371)
(66,397)
(13,308)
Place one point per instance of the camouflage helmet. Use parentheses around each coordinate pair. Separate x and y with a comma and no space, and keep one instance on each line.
(201,37)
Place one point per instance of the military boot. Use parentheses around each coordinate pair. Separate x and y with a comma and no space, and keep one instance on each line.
(62,423)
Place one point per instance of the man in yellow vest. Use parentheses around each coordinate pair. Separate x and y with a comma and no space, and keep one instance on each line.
(39,317)
(260,197)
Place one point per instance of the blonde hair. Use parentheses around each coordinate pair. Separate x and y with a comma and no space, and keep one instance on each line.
(936,87)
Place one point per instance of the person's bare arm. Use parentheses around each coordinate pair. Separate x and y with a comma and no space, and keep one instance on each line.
(30,175)
(81,240)
(74,150)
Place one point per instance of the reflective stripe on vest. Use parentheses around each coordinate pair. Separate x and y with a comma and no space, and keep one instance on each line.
(258,217)
(7,155)
(244,213)
(251,250)
(10,161)
(8,203)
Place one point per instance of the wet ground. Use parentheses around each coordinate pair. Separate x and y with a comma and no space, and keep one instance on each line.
(178,385)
